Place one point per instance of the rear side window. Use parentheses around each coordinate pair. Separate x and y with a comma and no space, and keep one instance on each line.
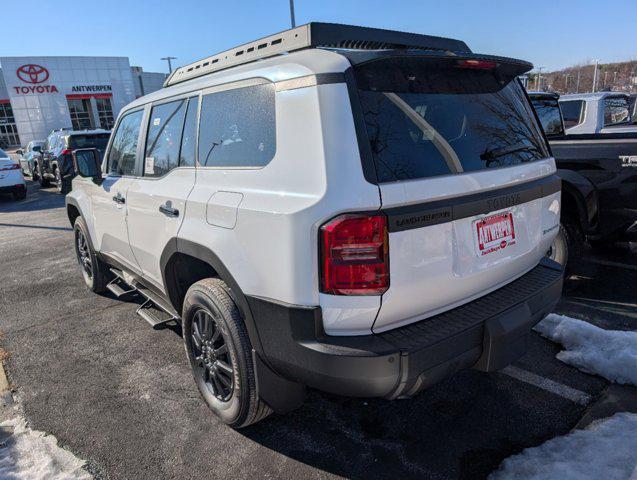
(572,112)
(616,110)
(123,151)
(424,121)
(164,138)
(237,127)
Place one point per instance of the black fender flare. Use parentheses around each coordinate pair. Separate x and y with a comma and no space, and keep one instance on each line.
(281,394)
(72,201)
(585,194)
(200,252)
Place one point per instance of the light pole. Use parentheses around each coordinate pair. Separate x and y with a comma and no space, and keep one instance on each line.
(595,76)
(578,77)
(566,75)
(292,19)
(170,66)
(539,78)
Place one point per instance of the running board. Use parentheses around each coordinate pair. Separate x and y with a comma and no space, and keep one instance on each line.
(155,310)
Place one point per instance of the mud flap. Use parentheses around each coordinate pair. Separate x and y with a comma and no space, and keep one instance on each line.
(280,394)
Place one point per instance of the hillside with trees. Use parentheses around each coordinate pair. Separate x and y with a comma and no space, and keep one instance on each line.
(620,77)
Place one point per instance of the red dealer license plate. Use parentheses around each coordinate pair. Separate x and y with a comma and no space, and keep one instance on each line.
(495,233)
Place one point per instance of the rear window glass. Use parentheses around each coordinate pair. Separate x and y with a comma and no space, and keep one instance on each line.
(89,141)
(423,122)
(548,111)
(616,110)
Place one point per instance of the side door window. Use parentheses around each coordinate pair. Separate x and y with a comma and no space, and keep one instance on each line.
(572,112)
(163,141)
(188,151)
(123,151)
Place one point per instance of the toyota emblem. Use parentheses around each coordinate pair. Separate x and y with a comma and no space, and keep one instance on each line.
(32,73)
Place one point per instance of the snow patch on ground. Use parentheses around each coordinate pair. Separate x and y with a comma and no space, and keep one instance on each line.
(609,353)
(30,454)
(606,449)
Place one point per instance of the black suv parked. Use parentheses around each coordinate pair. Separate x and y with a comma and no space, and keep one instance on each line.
(57,163)
(599,181)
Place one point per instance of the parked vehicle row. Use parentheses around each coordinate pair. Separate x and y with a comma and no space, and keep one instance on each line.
(600,112)
(51,160)
(598,172)
(358,220)
(11,178)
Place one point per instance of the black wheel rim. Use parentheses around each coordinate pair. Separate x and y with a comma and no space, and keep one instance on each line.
(211,357)
(83,254)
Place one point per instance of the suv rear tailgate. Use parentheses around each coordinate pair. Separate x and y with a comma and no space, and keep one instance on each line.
(435,258)
(465,177)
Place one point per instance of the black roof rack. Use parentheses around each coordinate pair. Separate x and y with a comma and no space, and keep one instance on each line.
(314,35)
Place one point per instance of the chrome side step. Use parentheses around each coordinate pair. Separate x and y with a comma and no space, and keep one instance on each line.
(155,310)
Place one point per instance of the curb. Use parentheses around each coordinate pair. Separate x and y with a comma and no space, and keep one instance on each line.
(5,390)
(614,399)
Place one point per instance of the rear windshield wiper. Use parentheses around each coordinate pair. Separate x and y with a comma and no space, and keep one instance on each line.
(500,152)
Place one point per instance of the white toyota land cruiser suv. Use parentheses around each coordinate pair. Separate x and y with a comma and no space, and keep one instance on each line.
(356,210)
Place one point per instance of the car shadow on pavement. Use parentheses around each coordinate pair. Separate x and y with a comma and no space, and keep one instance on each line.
(37,199)
(601,287)
(462,428)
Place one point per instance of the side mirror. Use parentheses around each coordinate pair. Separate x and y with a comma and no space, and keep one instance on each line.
(37,149)
(87,163)
(19,152)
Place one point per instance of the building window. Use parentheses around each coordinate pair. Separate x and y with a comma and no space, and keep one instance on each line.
(81,114)
(105,112)
(8,130)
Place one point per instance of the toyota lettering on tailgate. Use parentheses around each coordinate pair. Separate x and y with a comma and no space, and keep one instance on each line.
(495,233)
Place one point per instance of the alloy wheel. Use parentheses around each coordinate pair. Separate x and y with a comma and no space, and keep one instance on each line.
(209,348)
(83,254)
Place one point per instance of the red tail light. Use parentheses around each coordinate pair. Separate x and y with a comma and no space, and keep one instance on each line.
(355,255)
(477,64)
(11,166)
(67,151)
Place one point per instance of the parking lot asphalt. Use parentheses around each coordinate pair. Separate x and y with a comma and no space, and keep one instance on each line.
(120,395)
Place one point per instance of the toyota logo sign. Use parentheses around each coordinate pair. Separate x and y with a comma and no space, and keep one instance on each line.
(32,73)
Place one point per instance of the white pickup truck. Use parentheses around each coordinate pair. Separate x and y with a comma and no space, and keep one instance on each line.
(600,112)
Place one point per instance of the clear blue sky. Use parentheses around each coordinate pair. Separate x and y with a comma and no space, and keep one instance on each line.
(551,34)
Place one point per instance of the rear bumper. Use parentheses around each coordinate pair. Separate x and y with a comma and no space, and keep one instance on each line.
(13,188)
(487,334)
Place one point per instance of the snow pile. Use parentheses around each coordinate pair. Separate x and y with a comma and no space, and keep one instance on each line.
(33,455)
(609,353)
(607,449)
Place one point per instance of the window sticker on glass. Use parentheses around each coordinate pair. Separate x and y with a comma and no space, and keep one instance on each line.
(156,121)
(149,166)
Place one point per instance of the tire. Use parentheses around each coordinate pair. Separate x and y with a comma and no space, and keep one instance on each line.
(63,184)
(44,182)
(96,275)
(34,173)
(21,195)
(568,243)
(210,321)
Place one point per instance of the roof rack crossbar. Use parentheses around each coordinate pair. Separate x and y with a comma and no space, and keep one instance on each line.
(313,35)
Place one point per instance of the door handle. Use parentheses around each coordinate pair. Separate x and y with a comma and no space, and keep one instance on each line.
(119,198)
(167,209)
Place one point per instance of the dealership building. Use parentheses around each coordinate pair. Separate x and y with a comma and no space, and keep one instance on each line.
(40,94)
